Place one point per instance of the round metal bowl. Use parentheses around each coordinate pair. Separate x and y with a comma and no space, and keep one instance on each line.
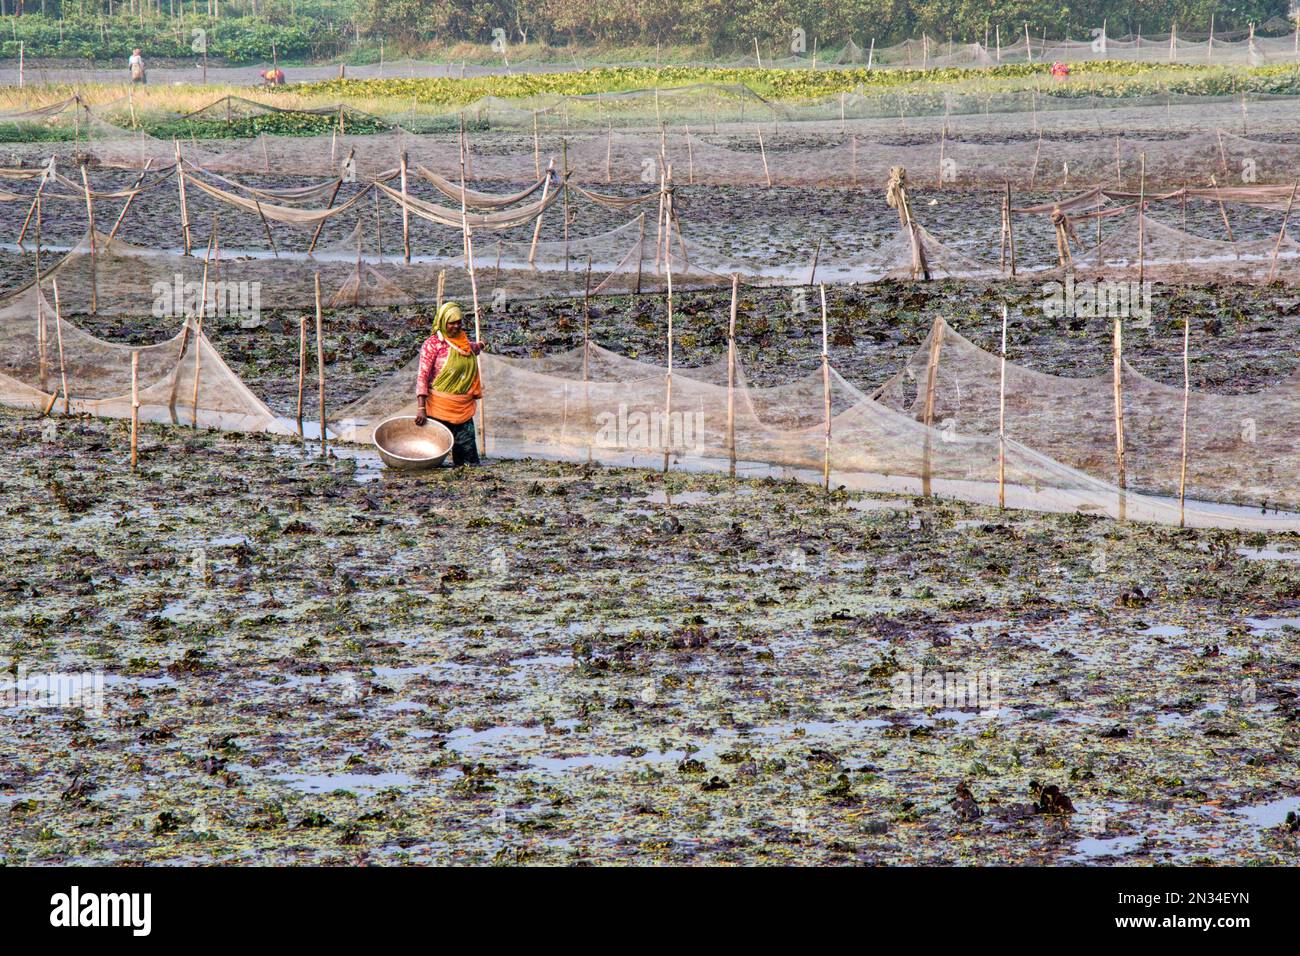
(404,445)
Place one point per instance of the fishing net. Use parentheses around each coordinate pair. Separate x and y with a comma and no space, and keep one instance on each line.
(600,407)
(51,365)
(1242,448)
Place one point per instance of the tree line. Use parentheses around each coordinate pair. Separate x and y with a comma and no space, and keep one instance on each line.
(734,24)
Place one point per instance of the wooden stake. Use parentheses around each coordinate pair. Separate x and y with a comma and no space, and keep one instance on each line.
(1121,478)
(1222,211)
(1142,202)
(185,209)
(763,150)
(320,366)
(564,152)
(442,285)
(35,205)
(826,395)
(135,408)
(198,331)
(731,376)
(537,148)
(812,272)
(932,374)
(640,255)
(1281,233)
(58,334)
(90,218)
(129,199)
(537,226)
(330,205)
(302,366)
(1187,388)
(406,214)
(1010,228)
(1002,417)
(586,358)
(668,379)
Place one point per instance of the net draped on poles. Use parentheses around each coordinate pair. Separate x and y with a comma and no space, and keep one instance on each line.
(1057,454)
(51,364)
(615,411)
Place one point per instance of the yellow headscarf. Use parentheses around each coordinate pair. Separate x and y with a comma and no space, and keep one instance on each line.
(447,312)
(459,376)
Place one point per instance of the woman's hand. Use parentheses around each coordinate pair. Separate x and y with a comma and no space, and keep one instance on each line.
(420,418)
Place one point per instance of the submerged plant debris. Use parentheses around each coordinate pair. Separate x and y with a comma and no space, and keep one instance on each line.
(533,662)
(322,661)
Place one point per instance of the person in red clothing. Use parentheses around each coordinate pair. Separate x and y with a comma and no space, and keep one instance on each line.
(447,386)
(273,77)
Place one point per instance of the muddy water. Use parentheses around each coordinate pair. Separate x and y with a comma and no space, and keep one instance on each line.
(526,663)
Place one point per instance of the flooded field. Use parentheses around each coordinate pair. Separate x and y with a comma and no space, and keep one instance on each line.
(326,662)
(297,659)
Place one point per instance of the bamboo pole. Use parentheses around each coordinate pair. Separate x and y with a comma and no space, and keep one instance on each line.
(1142,218)
(564,152)
(767,174)
(609,154)
(1187,388)
(198,331)
(812,272)
(640,254)
(731,376)
(320,366)
(135,408)
(1002,417)
(537,225)
(442,285)
(34,206)
(1281,233)
(406,213)
(334,193)
(932,374)
(586,358)
(185,209)
(668,378)
(659,218)
(1006,221)
(42,333)
(1223,212)
(63,368)
(38,240)
(1121,477)
(1010,228)
(826,395)
(690,157)
(537,148)
(90,218)
(129,199)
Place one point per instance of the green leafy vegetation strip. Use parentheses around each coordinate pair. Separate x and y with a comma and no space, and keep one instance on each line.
(1111,79)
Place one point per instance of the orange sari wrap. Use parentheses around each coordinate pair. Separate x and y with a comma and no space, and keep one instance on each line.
(456,409)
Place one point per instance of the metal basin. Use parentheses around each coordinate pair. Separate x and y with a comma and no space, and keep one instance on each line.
(404,445)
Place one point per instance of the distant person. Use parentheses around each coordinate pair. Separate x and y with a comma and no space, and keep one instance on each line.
(272,77)
(136,66)
(1060,70)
